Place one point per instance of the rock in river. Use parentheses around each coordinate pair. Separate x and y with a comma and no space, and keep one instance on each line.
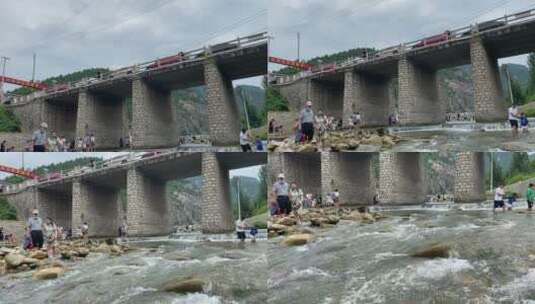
(38,254)
(436,251)
(297,239)
(48,273)
(190,285)
(14,260)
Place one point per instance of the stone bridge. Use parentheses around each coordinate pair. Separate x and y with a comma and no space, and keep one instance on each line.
(94,197)
(396,178)
(99,106)
(368,85)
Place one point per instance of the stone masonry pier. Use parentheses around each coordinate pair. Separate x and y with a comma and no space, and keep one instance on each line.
(469,177)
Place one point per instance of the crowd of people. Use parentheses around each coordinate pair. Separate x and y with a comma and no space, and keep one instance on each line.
(290,199)
(43,142)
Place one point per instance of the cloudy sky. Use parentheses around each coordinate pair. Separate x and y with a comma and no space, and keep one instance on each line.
(70,35)
(33,160)
(335,25)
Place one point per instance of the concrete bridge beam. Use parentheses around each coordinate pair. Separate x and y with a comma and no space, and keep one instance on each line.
(401,178)
(153,116)
(102,116)
(216,214)
(223,115)
(351,174)
(96,205)
(488,96)
(418,99)
(147,211)
(469,177)
(369,95)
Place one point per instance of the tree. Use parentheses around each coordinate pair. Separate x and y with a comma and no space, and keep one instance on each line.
(518,94)
(497,174)
(7,212)
(530,90)
(520,164)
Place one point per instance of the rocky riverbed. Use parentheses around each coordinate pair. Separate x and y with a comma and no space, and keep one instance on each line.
(347,140)
(156,271)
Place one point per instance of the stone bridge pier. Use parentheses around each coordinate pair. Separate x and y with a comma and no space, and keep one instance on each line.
(223,115)
(304,169)
(153,116)
(401,178)
(469,177)
(147,209)
(369,95)
(488,96)
(351,173)
(103,114)
(418,98)
(60,117)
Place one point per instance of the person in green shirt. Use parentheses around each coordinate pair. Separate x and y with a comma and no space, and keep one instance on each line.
(530,196)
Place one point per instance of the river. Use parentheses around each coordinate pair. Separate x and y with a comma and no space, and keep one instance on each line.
(492,260)
(236,273)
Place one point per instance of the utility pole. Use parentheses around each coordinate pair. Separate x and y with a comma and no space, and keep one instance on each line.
(298,46)
(33,69)
(510,85)
(239,203)
(4,61)
(245,109)
(491,170)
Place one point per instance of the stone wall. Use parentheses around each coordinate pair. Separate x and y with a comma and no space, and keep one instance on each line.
(488,96)
(60,117)
(98,206)
(15,227)
(102,116)
(401,178)
(351,174)
(147,207)
(16,140)
(216,216)
(328,97)
(295,93)
(286,119)
(223,114)
(57,205)
(24,202)
(469,177)
(29,114)
(369,95)
(153,116)
(418,94)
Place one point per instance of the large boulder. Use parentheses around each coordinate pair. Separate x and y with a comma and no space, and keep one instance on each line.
(297,239)
(435,251)
(278,227)
(39,254)
(48,273)
(115,249)
(14,260)
(103,248)
(30,261)
(286,221)
(82,252)
(190,285)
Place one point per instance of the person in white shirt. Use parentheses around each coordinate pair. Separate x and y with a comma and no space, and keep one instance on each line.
(513,117)
(498,198)
(245,141)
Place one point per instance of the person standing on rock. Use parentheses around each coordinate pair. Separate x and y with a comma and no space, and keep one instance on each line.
(281,191)
(306,119)
(51,233)
(35,224)
(245,141)
(530,196)
(296,199)
(498,198)
(85,230)
(39,138)
(513,119)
